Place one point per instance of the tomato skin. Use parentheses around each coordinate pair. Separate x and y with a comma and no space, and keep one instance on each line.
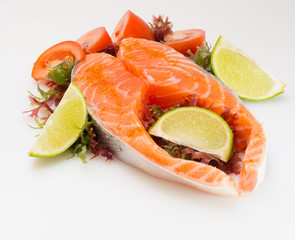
(95,40)
(57,54)
(185,40)
(131,25)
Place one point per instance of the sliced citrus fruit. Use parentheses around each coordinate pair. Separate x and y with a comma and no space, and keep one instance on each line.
(198,128)
(63,127)
(241,73)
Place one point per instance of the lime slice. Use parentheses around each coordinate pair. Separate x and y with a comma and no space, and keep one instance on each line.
(198,128)
(63,127)
(237,70)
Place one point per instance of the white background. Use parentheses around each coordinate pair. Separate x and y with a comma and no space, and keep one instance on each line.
(65,199)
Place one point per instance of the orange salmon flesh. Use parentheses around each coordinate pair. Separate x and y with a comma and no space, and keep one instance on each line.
(148,71)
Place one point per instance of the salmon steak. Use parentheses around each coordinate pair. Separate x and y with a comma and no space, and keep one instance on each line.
(116,90)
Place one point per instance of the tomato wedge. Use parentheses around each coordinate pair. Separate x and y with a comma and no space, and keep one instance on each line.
(185,40)
(131,25)
(55,55)
(95,40)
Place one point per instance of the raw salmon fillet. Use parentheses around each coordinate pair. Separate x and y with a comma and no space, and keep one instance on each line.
(115,101)
(172,77)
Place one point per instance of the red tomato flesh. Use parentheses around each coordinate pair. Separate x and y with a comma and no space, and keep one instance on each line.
(131,25)
(55,55)
(185,40)
(95,40)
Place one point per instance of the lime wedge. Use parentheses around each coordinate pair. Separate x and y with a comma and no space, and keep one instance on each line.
(198,128)
(63,127)
(237,70)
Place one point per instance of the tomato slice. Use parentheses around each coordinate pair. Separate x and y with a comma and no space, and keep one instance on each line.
(185,40)
(55,55)
(131,25)
(95,40)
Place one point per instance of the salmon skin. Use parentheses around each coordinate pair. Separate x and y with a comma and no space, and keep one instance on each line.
(115,99)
